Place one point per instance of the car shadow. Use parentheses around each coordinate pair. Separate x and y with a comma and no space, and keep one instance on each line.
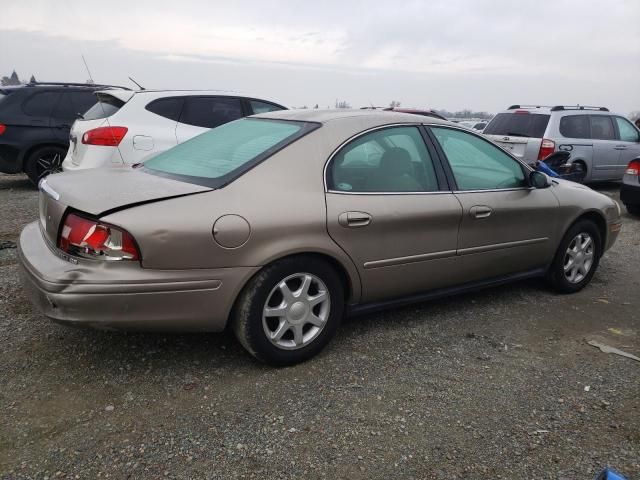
(16,182)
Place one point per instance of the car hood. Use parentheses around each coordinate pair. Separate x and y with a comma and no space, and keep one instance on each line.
(97,191)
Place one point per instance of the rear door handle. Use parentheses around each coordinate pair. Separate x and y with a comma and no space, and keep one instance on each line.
(620,147)
(480,211)
(354,219)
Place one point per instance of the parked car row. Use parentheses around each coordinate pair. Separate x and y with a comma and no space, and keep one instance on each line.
(46,127)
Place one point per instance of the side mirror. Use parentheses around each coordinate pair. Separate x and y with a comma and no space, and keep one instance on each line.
(539,180)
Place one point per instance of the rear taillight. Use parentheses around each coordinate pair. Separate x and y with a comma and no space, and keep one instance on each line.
(106,136)
(547,147)
(3,128)
(633,168)
(91,239)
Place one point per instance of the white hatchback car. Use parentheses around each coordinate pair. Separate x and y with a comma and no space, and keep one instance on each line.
(127,127)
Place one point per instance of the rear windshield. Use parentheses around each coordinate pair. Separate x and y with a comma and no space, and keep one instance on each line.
(107,105)
(518,125)
(224,153)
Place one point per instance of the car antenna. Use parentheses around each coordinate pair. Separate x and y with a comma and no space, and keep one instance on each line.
(87,67)
(140,86)
(101,105)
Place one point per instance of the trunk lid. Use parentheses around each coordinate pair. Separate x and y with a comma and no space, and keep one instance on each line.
(97,191)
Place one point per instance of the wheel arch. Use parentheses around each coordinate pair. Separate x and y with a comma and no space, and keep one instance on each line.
(597,218)
(26,153)
(350,284)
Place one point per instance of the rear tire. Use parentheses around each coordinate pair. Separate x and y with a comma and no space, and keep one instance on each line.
(633,209)
(576,259)
(44,161)
(289,311)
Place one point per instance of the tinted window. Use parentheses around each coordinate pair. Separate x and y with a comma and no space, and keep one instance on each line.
(477,164)
(628,133)
(73,104)
(390,160)
(40,104)
(221,154)
(602,127)
(575,126)
(167,107)
(263,107)
(209,112)
(106,106)
(518,125)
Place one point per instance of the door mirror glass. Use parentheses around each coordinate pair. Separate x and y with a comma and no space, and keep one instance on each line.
(539,180)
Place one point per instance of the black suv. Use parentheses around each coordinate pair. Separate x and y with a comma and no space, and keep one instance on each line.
(34,124)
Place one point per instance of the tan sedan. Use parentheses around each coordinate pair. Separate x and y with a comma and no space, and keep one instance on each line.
(279,224)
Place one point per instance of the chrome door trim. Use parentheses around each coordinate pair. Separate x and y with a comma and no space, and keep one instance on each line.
(390,262)
(500,246)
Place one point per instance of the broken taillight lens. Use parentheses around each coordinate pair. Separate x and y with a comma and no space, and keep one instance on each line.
(88,238)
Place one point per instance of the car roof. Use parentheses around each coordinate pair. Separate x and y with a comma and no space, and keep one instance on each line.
(323,116)
(126,95)
(558,109)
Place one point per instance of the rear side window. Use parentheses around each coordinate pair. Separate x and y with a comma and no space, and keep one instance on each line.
(73,104)
(602,127)
(263,107)
(575,126)
(106,106)
(628,132)
(210,112)
(167,107)
(518,125)
(390,160)
(40,104)
(224,153)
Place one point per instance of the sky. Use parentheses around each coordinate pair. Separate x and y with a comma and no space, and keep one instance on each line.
(479,54)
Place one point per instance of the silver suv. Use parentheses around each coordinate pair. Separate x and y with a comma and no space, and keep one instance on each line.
(600,142)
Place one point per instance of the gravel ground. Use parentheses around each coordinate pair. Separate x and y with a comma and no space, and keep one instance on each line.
(495,384)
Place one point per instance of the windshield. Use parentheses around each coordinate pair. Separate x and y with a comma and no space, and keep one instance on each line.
(107,105)
(518,125)
(224,153)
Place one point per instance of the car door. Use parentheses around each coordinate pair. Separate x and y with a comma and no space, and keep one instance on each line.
(507,226)
(606,157)
(201,113)
(38,109)
(389,209)
(628,144)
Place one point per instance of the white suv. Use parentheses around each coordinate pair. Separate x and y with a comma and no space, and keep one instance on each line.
(127,127)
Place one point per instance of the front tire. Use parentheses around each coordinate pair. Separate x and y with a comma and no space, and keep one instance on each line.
(44,161)
(633,209)
(290,310)
(577,258)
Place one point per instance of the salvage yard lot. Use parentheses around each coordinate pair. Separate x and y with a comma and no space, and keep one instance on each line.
(485,385)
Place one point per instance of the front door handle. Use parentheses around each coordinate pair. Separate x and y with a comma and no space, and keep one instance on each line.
(620,147)
(480,211)
(354,219)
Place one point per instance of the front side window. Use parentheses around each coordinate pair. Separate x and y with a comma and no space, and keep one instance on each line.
(602,127)
(575,126)
(263,107)
(476,163)
(390,160)
(628,133)
(210,112)
(224,153)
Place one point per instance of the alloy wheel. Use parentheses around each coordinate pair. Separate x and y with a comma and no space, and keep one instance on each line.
(296,311)
(48,163)
(578,258)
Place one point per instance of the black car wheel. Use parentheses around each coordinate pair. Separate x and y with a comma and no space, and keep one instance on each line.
(290,310)
(44,161)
